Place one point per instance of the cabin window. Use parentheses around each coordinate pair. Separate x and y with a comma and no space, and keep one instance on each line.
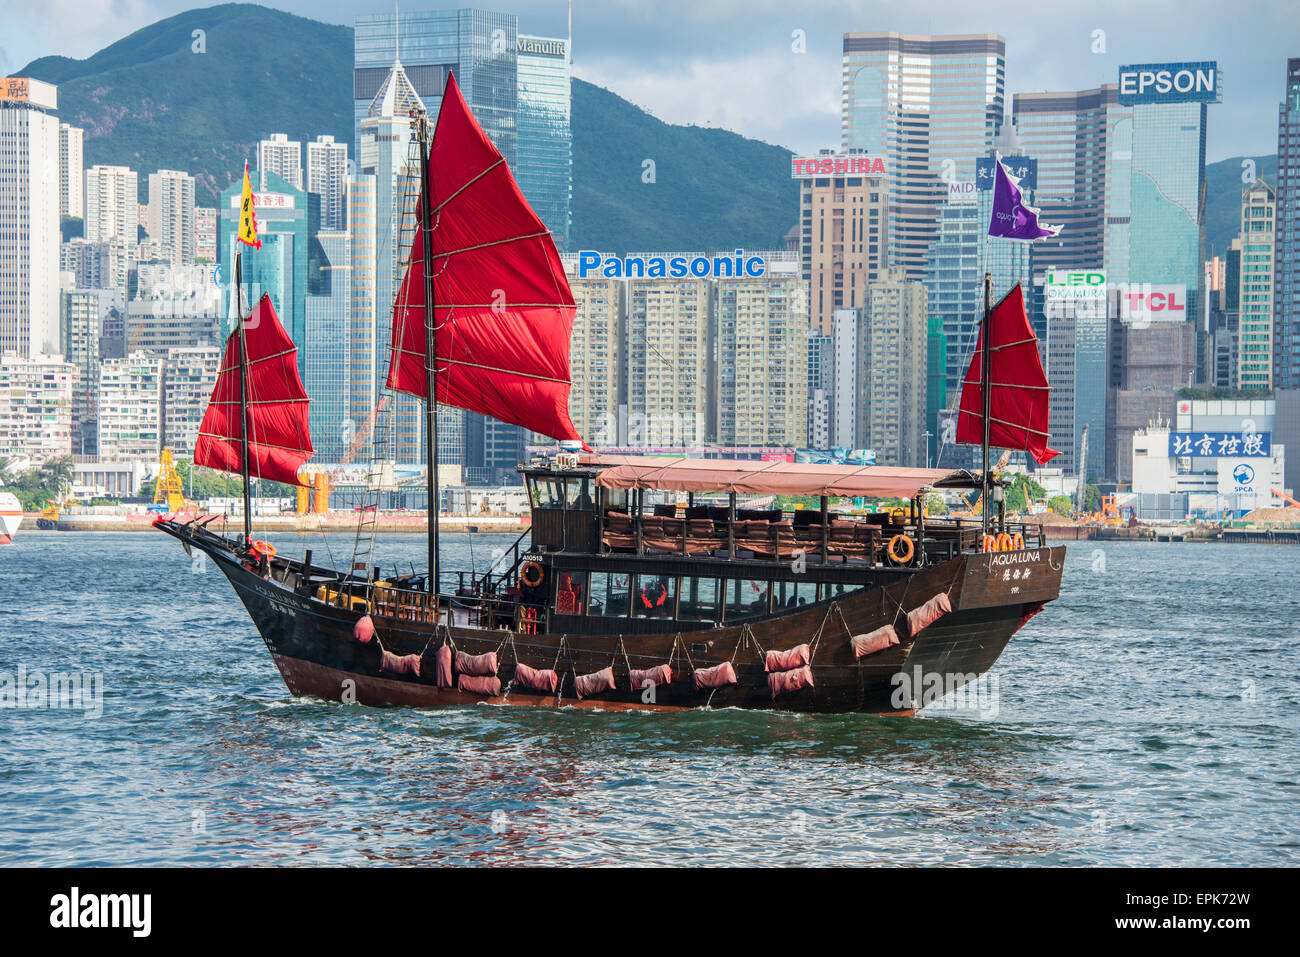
(577,495)
(699,600)
(788,595)
(746,598)
(548,492)
(609,594)
(570,593)
(616,499)
(654,596)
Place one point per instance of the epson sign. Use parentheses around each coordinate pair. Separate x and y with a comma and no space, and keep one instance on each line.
(1170,83)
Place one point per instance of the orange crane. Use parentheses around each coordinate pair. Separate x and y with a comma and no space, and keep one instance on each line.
(1286,498)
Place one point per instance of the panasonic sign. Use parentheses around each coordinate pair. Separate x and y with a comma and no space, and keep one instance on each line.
(1170,83)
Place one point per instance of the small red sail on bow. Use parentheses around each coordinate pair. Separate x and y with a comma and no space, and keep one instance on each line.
(1018,407)
(503,310)
(279,440)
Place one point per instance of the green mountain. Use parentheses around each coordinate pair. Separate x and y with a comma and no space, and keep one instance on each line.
(711,189)
(1223,185)
(150,101)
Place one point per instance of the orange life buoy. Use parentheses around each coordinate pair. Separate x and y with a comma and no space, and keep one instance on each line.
(1004,542)
(1017,542)
(909,550)
(989,544)
(527,573)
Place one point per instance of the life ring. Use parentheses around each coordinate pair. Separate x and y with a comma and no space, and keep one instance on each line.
(262,548)
(1004,542)
(989,544)
(527,573)
(1017,542)
(897,515)
(909,550)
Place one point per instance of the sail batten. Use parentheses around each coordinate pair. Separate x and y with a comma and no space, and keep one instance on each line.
(279,439)
(504,306)
(1019,393)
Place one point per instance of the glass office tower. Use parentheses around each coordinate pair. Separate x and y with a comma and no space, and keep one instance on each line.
(280,266)
(929,105)
(545,144)
(478,45)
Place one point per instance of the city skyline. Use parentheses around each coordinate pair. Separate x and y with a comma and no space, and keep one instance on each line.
(685,62)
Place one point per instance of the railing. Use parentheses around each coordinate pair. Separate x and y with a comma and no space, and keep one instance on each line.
(780,540)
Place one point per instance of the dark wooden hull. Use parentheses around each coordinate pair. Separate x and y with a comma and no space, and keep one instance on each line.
(313,647)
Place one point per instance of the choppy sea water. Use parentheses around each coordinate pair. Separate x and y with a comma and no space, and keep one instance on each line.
(1148,717)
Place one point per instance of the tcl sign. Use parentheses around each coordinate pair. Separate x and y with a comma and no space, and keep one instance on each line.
(1141,304)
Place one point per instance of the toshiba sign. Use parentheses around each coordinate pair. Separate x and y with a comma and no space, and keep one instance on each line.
(1139,303)
(805,167)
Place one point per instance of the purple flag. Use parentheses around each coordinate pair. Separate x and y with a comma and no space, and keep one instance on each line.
(1011,218)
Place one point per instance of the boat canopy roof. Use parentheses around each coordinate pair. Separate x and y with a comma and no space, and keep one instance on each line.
(671,473)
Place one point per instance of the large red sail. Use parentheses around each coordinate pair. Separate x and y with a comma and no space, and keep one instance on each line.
(1018,406)
(503,309)
(279,440)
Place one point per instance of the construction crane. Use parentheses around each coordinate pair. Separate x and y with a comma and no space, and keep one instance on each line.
(168,490)
(1291,503)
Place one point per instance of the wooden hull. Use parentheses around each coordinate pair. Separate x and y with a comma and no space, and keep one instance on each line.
(313,647)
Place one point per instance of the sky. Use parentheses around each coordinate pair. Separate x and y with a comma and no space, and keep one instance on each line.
(736,64)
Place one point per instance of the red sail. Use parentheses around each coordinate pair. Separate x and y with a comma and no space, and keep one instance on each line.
(1019,404)
(278,437)
(503,307)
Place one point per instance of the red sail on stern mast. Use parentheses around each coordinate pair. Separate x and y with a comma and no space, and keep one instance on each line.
(502,305)
(1018,407)
(279,440)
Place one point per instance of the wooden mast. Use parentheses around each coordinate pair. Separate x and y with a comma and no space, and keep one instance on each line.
(430,351)
(243,397)
(985,372)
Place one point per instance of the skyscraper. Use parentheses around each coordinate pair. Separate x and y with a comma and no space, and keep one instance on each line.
(389,154)
(480,46)
(329,299)
(842,231)
(130,407)
(1286,275)
(1070,136)
(892,370)
(72,173)
(112,196)
(280,266)
(545,150)
(761,373)
(29,217)
(171,215)
(327,174)
(929,105)
(36,397)
(1255,335)
(1167,174)
(283,157)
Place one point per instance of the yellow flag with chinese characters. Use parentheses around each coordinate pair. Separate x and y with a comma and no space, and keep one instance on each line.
(247,215)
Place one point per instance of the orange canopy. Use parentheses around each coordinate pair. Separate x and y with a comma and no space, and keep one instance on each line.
(766,478)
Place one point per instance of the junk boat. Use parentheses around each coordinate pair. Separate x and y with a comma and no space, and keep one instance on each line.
(619,599)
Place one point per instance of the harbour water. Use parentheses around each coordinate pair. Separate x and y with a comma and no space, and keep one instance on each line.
(1148,717)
